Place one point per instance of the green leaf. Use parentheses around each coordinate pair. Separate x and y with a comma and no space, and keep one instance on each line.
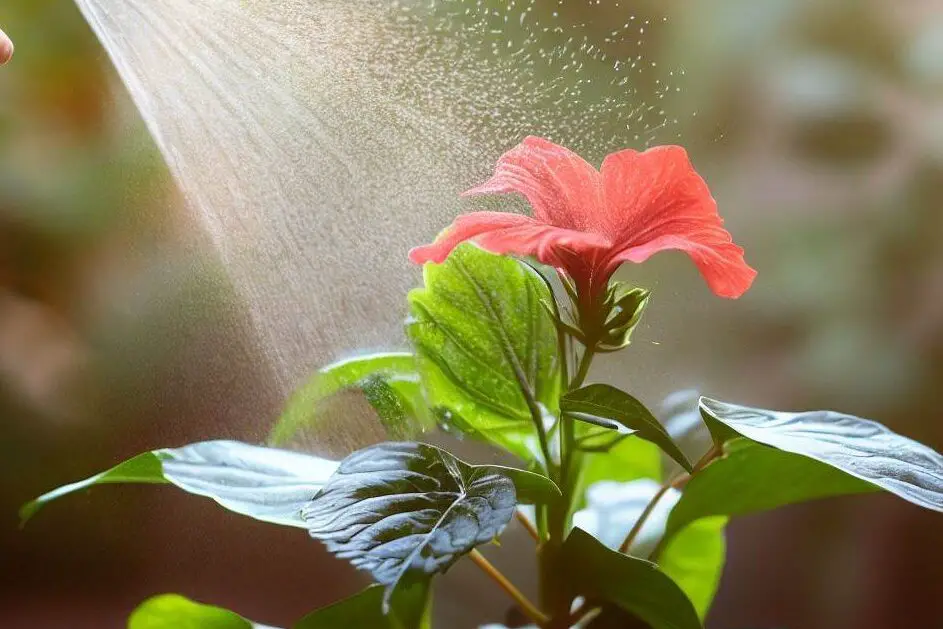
(694,560)
(395,508)
(302,408)
(263,483)
(172,611)
(408,610)
(859,447)
(485,345)
(144,468)
(752,477)
(399,403)
(631,459)
(635,585)
(608,402)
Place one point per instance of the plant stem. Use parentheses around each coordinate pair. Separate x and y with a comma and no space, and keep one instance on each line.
(564,355)
(677,481)
(710,455)
(528,525)
(637,527)
(529,609)
(583,369)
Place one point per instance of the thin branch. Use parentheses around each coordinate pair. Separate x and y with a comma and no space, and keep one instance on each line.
(637,527)
(529,609)
(679,482)
(528,525)
(709,456)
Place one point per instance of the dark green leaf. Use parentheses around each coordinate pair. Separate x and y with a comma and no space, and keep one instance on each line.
(485,345)
(635,585)
(408,610)
(395,508)
(859,447)
(263,483)
(752,477)
(607,402)
(172,611)
(612,617)
(694,559)
(302,408)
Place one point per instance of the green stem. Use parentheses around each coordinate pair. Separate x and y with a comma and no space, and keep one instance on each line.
(583,369)
(564,355)
(555,594)
(679,481)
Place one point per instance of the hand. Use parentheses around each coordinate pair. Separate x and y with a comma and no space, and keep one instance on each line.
(6,48)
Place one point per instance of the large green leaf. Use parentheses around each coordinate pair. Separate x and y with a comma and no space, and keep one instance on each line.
(635,585)
(607,402)
(408,610)
(859,447)
(263,483)
(485,344)
(396,369)
(752,477)
(694,559)
(395,508)
(172,611)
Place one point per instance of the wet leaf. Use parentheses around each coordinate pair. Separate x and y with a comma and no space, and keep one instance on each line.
(398,508)
(858,447)
(396,369)
(486,344)
(263,483)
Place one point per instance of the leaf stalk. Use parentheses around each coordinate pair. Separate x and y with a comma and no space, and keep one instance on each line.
(529,609)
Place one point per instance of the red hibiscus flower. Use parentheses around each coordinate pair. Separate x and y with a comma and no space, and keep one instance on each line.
(587,222)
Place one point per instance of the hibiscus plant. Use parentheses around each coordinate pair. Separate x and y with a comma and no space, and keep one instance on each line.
(627,522)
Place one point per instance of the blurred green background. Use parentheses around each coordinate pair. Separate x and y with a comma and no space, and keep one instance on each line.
(819,126)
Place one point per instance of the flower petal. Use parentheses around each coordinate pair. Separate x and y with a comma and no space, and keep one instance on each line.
(503,233)
(563,189)
(655,201)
